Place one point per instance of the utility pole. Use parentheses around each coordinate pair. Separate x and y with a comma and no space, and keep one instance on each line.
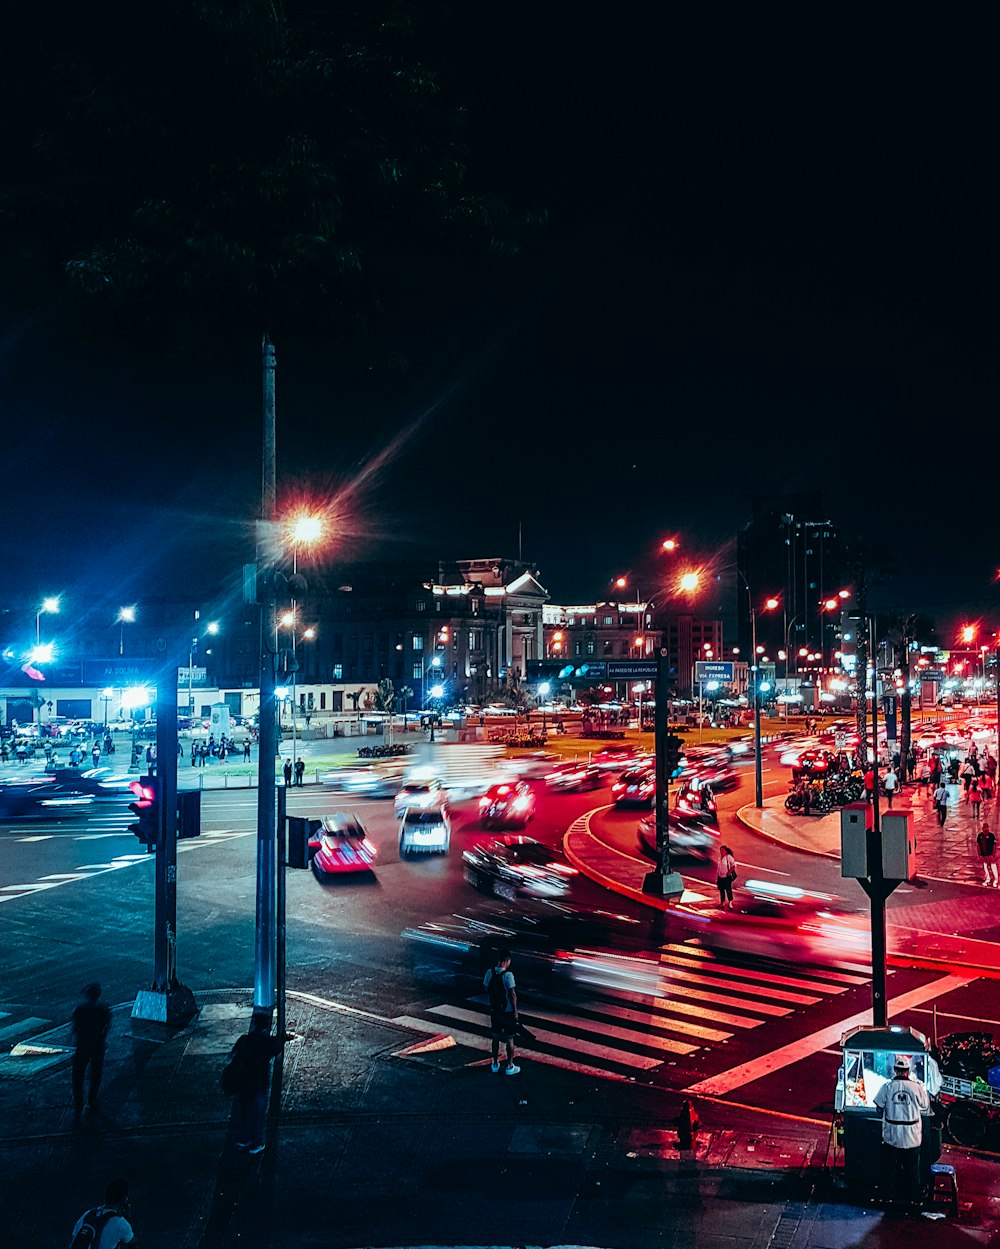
(905,700)
(661,881)
(166,1000)
(265,934)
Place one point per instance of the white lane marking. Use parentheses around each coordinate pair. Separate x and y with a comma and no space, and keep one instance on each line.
(581,1024)
(947,1014)
(90,870)
(574,1044)
(59,876)
(822,973)
(777,1060)
(39,837)
(753,974)
(668,985)
(473,1042)
(663,1016)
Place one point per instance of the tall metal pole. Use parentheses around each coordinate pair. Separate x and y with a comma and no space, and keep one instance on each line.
(758,773)
(265,936)
(282,962)
(661,880)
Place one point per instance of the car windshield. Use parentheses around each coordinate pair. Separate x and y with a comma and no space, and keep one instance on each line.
(346,830)
(422,817)
(529,854)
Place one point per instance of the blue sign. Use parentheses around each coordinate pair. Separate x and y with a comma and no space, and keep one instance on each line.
(715,670)
(121,672)
(596,670)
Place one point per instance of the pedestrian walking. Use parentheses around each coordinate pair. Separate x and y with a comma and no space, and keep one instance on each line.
(91,1024)
(246,750)
(986,787)
(300,770)
(941,803)
(252,1055)
(974,798)
(990,766)
(934,776)
(891,781)
(986,844)
(106,1226)
(502,991)
(724,877)
(869,784)
(968,773)
(903,1103)
(286,772)
(911,764)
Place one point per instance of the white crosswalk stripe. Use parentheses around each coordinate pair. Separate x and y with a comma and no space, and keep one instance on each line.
(624,1030)
(16,1023)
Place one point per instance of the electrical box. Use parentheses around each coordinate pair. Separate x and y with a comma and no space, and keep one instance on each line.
(899,845)
(855,819)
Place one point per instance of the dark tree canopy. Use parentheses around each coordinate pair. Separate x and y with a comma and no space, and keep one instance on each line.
(207,170)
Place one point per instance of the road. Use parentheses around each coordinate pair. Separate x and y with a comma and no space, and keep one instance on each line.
(77,905)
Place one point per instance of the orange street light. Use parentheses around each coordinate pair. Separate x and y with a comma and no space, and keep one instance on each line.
(621,582)
(969,633)
(832,604)
(689,582)
(306,528)
(772,604)
(669,544)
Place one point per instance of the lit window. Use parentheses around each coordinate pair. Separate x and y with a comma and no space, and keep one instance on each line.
(418,671)
(418,642)
(338,672)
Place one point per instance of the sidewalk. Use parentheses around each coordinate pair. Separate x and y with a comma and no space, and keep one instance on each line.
(389,1138)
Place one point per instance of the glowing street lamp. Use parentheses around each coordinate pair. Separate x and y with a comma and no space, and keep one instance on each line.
(50,604)
(126,615)
(669,544)
(688,582)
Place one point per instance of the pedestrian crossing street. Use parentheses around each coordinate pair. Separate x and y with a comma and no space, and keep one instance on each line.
(689,998)
(109,863)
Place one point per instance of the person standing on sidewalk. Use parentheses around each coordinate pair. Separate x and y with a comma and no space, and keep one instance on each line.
(941,802)
(725,874)
(903,1103)
(300,770)
(986,844)
(890,782)
(869,784)
(975,799)
(286,772)
(91,1025)
(499,985)
(254,1052)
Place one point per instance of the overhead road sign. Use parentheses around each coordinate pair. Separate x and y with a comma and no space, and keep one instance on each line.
(714,670)
(631,669)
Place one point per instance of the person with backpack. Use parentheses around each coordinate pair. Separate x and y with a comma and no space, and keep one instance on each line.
(986,844)
(941,803)
(106,1226)
(499,985)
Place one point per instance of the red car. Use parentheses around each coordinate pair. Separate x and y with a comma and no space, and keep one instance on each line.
(510,804)
(636,787)
(341,846)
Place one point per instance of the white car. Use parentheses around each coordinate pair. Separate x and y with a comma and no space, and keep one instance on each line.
(418,792)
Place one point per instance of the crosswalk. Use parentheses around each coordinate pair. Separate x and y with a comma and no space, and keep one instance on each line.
(645,1011)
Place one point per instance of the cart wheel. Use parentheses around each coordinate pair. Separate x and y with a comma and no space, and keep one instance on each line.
(966,1124)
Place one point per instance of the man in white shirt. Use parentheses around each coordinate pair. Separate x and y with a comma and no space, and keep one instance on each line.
(903,1103)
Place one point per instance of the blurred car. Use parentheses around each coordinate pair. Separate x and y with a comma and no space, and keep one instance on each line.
(742,748)
(371,782)
(636,787)
(341,847)
(693,830)
(614,758)
(99,782)
(556,945)
(424,791)
(783,921)
(425,830)
(537,765)
(509,804)
(514,867)
(813,763)
(574,777)
(712,768)
(40,799)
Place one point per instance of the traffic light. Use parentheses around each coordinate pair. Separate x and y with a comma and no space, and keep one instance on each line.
(189,813)
(301,830)
(673,750)
(146,809)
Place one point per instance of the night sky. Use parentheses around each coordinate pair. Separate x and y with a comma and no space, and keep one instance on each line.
(769,260)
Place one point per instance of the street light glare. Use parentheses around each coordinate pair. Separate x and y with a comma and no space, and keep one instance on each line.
(669,544)
(772,603)
(307,529)
(212,627)
(621,582)
(689,582)
(127,615)
(288,619)
(51,604)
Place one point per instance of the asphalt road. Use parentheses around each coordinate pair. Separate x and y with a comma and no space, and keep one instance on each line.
(78,901)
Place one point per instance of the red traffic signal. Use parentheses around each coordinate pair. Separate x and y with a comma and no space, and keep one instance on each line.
(146,809)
